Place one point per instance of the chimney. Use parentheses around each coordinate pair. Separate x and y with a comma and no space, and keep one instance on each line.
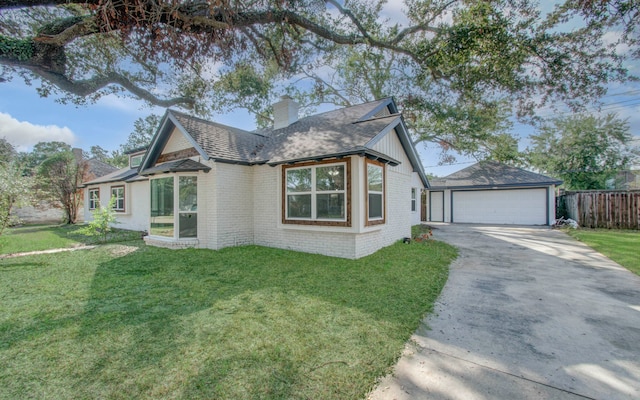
(285,112)
(77,154)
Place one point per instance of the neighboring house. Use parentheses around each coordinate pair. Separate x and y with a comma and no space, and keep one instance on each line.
(493,193)
(97,168)
(342,183)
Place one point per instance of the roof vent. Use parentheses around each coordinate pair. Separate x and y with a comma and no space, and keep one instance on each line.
(285,112)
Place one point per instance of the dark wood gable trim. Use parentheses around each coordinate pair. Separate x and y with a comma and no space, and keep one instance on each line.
(177,155)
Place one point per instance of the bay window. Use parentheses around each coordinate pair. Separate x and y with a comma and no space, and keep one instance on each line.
(317,194)
(375,185)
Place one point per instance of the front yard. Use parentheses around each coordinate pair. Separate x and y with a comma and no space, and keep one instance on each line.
(622,246)
(42,237)
(129,321)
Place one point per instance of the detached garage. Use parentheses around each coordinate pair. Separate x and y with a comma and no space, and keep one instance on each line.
(493,193)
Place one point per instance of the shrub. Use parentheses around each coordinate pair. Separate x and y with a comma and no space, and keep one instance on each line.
(103,219)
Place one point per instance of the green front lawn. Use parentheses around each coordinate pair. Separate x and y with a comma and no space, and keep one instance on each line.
(37,237)
(43,237)
(127,321)
(620,246)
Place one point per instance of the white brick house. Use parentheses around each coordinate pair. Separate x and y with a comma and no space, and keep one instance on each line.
(343,183)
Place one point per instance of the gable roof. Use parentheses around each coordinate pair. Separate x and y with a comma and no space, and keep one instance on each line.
(219,141)
(338,133)
(488,174)
(324,136)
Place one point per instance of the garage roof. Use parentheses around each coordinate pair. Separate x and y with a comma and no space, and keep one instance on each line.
(490,174)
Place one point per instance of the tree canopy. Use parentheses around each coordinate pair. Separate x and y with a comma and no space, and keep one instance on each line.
(7,151)
(143,131)
(457,67)
(585,151)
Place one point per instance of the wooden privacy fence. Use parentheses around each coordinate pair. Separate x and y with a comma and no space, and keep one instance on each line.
(602,208)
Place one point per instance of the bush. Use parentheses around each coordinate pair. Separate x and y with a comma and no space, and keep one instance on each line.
(103,218)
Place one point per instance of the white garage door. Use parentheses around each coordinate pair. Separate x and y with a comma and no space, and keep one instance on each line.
(517,206)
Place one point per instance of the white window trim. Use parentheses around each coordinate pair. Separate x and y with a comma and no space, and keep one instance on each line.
(131,158)
(378,220)
(124,198)
(176,209)
(414,200)
(96,200)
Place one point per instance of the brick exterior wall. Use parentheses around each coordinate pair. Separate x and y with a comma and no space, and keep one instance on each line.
(239,205)
(234,205)
(416,183)
(207,205)
(268,231)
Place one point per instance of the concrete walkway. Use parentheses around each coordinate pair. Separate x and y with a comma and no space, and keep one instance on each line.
(50,251)
(527,313)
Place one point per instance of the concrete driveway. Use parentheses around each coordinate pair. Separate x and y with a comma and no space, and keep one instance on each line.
(527,313)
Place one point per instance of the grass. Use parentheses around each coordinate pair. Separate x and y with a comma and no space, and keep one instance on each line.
(129,321)
(619,245)
(42,237)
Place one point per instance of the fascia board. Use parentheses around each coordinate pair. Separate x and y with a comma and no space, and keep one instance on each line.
(188,136)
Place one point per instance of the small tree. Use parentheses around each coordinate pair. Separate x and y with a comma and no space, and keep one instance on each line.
(15,190)
(103,218)
(61,176)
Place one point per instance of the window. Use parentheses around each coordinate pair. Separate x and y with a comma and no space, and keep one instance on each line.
(413,199)
(317,194)
(118,193)
(188,207)
(164,200)
(162,220)
(94,198)
(135,161)
(375,192)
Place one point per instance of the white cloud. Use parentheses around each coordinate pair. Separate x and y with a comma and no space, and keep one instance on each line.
(23,135)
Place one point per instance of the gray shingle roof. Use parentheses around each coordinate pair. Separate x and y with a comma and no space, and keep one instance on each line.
(220,141)
(492,174)
(124,174)
(333,133)
(337,133)
(99,168)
